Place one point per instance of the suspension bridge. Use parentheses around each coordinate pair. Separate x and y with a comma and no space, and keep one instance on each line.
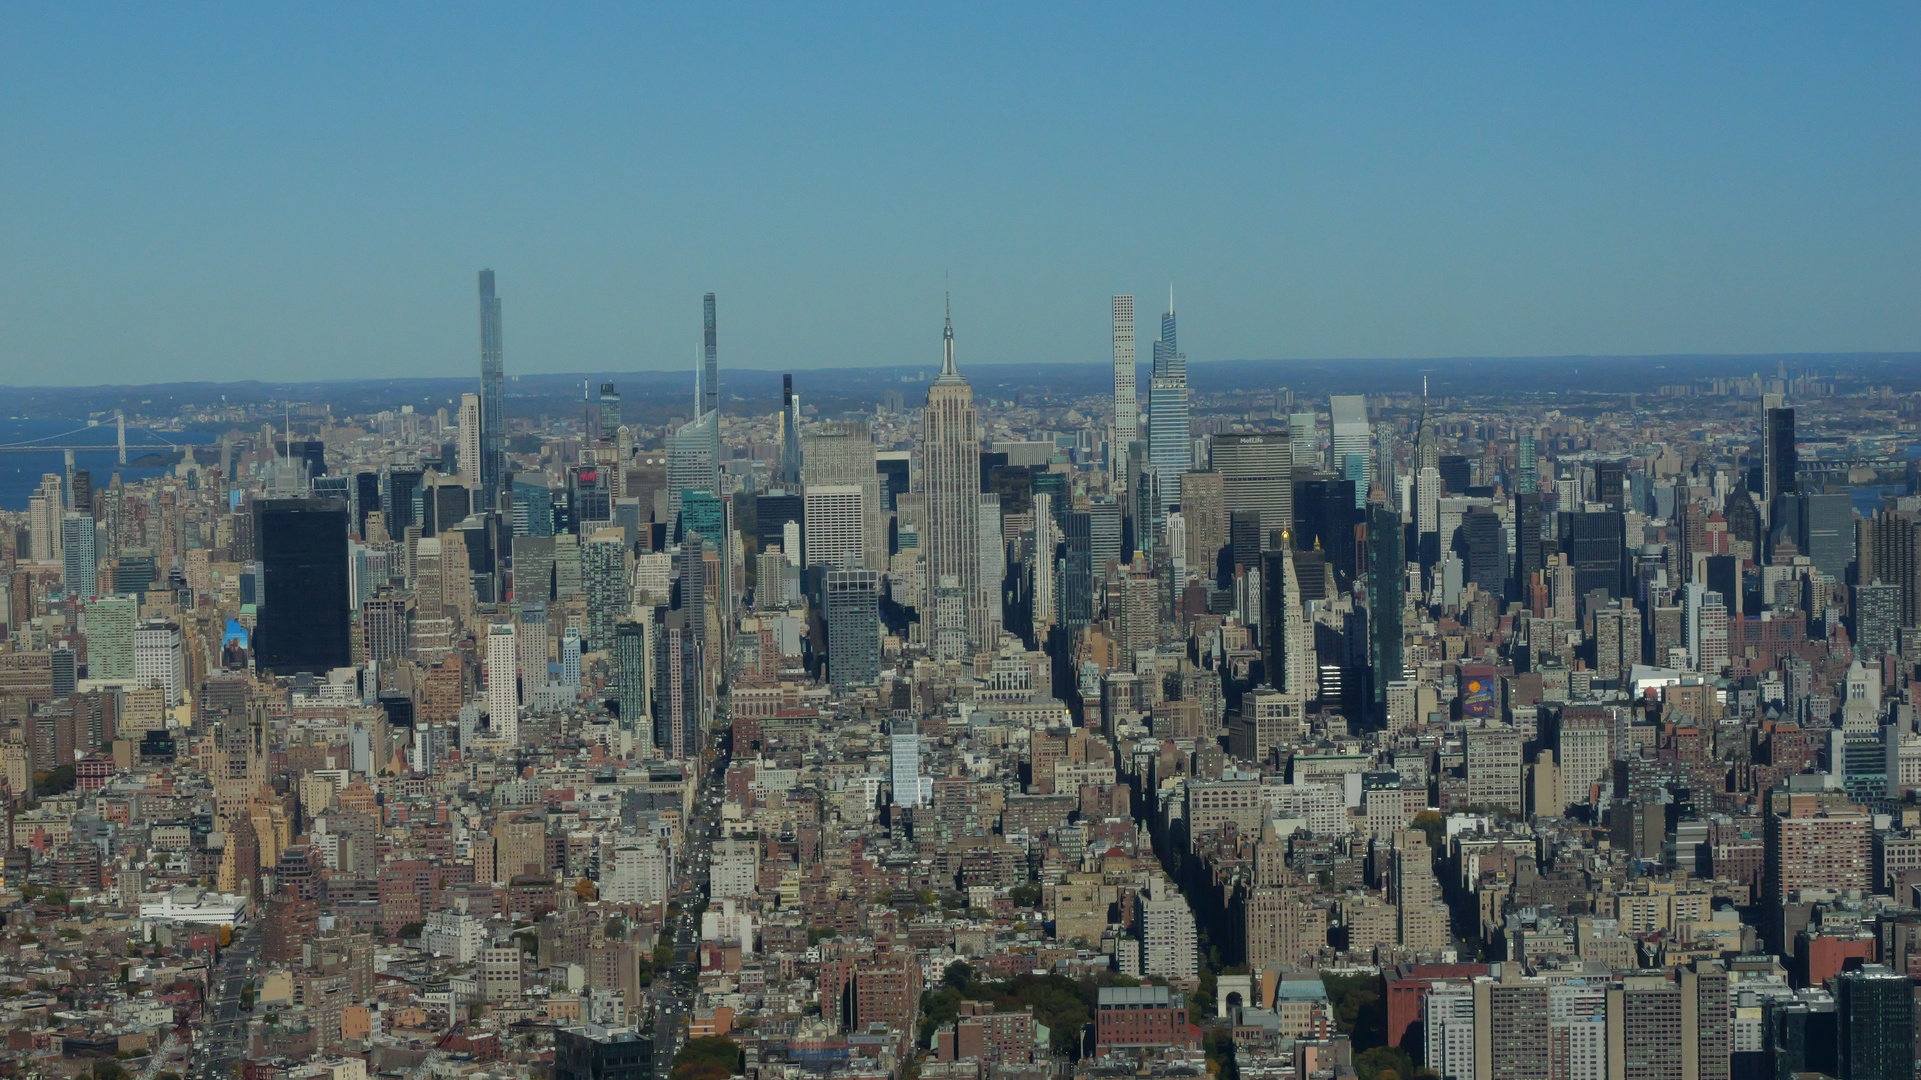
(49,443)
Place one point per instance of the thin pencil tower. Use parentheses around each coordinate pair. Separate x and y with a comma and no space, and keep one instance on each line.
(492,394)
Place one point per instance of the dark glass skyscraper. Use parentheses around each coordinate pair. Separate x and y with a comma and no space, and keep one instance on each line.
(1876,1024)
(398,507)
(1386,586)
(790,457)
(592,1052)
(492,394)
(1527,539)
(1779,457)
(853,627)
(1594,546)
(710,357)
(533,512)
(443,507)
(1826,531)
(633,677)
(366,500)
(1611,484)
(303,618)
(1076,592)
(607,411)
(1485,549)
(1877,620)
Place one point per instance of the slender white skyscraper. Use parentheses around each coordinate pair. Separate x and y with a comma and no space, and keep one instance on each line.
(951,478)
(993,568)
(43,518)
(1427,485)
(911,789)
(471,439)
(1045,538)
(1296,665)
(503,686)
(1127,420)
(157,658)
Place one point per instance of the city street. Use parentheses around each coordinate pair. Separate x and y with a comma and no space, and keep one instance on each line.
(221,1039)
(673,989)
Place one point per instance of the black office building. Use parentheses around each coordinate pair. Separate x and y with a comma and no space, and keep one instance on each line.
(398,506)
(1724,577)
(1244,538)
(312,452)
(894,480)
(593,1052)
(304,607)
(443,507)
(1386,593)
(1454,473)
(1325,517)
(1801,1036)
(1611,484)
(1484,550)
(366,500)
(1594,545)
(1826,524)
(134,571)
(1527,542)
(771,515)
(1875,1021)
(1779,458)
(853,627)
(1076,597)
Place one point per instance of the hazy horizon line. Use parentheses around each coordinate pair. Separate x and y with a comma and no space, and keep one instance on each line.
(1828,357)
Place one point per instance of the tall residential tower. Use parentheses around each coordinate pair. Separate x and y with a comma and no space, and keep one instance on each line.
(493,418)
(1127,417)
(710,358)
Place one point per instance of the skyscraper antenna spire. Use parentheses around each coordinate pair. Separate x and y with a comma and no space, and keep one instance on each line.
(947,368)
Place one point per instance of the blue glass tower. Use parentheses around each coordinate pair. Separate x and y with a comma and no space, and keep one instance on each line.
(533,509)
(1170,447)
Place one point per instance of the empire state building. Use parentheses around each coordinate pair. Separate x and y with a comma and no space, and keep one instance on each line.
(951,470)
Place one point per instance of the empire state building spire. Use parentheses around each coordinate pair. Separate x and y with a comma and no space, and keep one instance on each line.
(948,372)
(950,472)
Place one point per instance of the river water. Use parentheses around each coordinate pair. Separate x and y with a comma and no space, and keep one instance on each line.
(20,472)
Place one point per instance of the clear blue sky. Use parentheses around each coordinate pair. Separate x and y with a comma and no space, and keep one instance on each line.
(265,191)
